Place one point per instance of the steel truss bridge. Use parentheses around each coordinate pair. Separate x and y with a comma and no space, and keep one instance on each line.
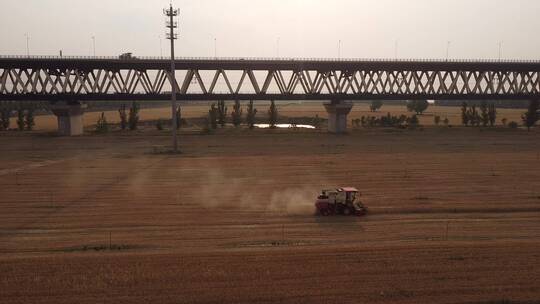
(111,78)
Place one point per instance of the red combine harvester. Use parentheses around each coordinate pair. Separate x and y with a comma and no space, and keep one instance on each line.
(341,201)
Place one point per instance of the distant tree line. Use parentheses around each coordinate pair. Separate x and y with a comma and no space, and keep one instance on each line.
(500,104)
(217,115)
(375,105)
(417,106)
(23,111)
(388,121)
(531,117)
(485,115)
(129,118)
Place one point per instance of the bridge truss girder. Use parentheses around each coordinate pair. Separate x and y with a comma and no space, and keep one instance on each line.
(315,84)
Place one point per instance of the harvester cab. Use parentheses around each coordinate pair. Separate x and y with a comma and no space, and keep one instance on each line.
(340,201)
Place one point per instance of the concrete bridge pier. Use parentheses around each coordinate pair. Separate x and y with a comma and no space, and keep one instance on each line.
(337,115)
(70,117)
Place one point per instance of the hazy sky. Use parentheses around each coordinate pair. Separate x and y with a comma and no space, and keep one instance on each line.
(304,28)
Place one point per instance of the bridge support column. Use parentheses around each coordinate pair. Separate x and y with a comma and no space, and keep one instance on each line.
(70,118)
(337,115)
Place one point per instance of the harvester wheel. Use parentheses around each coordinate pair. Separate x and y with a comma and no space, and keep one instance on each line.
(347,211)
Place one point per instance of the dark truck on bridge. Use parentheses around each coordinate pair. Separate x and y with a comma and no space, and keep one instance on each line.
(126,56)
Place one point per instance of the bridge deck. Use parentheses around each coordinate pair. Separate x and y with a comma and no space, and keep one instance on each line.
(205,63)
(147,78)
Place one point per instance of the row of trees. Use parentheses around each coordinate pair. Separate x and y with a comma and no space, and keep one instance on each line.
(472,115)
(375,105)
(129,118)
(485,115)
(25,113)
(217,115)
(532,116)
(388,121)
(437,120)
(416,106)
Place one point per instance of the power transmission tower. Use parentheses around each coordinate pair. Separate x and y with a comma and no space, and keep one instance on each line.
(172,25)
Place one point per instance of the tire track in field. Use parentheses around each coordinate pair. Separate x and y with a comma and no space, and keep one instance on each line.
(88,195)
(18,170)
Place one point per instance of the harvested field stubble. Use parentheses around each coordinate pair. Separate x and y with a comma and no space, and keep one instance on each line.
(454,218)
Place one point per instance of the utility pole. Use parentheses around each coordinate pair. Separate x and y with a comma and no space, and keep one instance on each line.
(94,44)
(160,47)
(396,45)
(172,36)
(27,44)
(277,46)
